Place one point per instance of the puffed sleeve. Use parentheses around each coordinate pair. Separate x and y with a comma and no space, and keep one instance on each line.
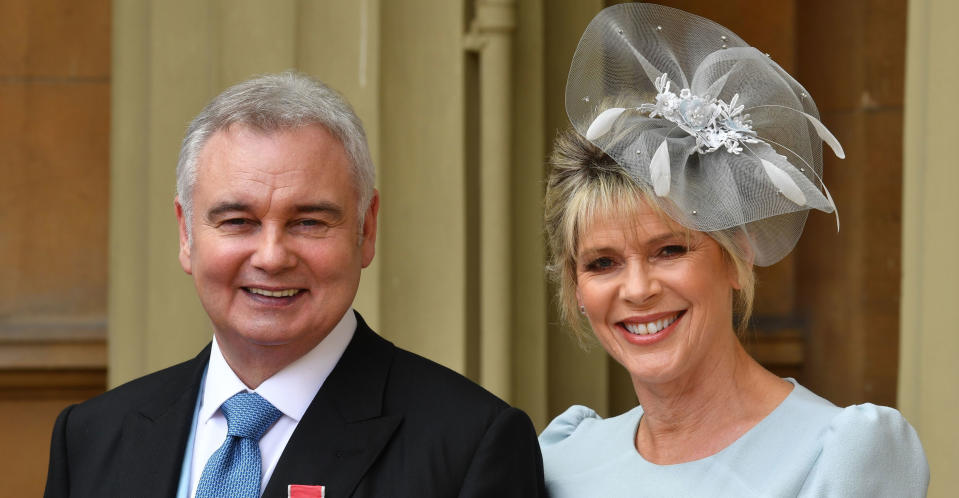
(565,425)
(869,451)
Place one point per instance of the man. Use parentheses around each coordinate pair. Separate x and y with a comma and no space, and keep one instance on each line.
(295,396)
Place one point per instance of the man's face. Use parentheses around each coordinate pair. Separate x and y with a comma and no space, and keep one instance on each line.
(277,250)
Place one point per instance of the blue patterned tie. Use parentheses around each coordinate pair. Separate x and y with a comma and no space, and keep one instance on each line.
(234,469)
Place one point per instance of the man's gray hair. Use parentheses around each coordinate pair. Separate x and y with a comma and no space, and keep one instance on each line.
(269,103)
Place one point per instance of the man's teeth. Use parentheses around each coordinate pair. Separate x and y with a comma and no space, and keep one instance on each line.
(269,293)
(650,327)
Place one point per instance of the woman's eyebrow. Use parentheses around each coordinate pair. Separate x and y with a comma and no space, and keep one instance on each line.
(590,251)
(656,239)
(664,237)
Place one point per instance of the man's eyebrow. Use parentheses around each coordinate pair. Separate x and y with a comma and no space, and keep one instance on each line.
(319,207)
(226,207)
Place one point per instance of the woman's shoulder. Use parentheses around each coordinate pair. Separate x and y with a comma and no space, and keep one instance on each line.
(568,422)
(867,422)
(868,450)
(855,427)
(580,422)
(579,441)
(872,432)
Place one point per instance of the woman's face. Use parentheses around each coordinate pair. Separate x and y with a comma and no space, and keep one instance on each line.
(658,299)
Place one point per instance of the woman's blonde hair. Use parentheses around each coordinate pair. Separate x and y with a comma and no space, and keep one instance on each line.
(584,183)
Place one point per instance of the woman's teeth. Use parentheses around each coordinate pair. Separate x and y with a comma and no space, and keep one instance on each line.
(269,293)
(650,327)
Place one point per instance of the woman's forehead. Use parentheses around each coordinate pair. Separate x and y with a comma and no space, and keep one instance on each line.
(630,222)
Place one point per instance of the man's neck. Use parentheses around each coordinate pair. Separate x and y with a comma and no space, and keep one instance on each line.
(254,363)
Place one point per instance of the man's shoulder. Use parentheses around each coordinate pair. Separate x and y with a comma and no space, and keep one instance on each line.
(416,384)
(438,396)
(162,385)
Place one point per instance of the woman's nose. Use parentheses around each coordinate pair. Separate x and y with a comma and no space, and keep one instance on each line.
(273,254)
(640,284)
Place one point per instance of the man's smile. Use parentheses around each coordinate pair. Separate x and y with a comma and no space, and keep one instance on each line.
(273,293)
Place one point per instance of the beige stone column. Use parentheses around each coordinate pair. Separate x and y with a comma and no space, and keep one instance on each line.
(928,370)
(529,294)
(423,223)
(491,37)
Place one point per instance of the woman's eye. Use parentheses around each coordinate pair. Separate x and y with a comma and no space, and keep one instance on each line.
(600,264)
(672,251)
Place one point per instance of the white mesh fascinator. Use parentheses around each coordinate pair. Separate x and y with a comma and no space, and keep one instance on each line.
(712,124)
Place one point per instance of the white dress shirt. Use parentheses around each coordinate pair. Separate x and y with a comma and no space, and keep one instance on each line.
(290,390)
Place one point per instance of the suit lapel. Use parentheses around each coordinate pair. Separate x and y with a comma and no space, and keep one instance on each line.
(343,430)
(154,437)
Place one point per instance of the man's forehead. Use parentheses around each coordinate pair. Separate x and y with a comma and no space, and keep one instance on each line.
(251,130)
(243,169)
(241,146)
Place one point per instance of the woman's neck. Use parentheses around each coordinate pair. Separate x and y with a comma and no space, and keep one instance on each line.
(707,410)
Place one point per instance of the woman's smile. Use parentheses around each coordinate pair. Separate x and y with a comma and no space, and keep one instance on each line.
(648,331)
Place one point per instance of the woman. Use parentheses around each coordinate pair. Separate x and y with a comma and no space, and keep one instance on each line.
(658,205)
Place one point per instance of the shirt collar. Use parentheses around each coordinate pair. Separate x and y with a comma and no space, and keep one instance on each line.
(292,389)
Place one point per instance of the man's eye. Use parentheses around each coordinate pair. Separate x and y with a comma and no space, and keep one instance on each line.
(310,226)
(600,264)
(311,223)
(235,223)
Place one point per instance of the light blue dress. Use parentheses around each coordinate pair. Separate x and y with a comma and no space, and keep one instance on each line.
(806,447)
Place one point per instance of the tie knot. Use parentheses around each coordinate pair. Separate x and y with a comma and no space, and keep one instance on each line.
(249,415)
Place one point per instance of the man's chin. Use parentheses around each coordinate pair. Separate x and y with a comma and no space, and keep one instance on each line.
(266,338)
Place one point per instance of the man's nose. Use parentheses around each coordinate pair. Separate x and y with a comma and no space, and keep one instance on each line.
(640,285)
(273,253)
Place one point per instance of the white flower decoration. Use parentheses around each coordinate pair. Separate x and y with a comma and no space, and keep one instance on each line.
(713,122)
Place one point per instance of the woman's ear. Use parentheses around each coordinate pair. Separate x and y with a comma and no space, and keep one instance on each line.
(739,265)
(735,277)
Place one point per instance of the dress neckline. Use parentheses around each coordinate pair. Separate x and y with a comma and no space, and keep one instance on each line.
(742,439)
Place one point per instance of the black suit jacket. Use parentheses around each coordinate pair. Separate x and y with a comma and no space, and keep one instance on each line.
(386,423)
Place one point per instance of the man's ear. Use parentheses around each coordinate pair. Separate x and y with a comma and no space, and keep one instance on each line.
(185,262)
(368,237)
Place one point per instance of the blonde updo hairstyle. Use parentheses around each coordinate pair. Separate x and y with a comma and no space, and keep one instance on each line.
(585,183)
